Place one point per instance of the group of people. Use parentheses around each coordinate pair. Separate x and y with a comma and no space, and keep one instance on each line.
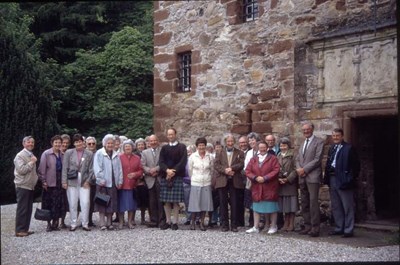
(221,180)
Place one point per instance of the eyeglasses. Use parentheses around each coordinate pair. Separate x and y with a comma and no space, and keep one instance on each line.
(90,143)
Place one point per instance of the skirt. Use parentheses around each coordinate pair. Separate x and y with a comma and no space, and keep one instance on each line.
(54,199)
(126,201)
(247,198)
(113,206)
(265,207)
(288,204)
(171,192)
(200,199)
(142,196)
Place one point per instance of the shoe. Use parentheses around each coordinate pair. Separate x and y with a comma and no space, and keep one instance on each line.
(151,224)
(165,226)
(335,233)
(225,229)
(202,227)
(72,229)
(49,228)
(304,231)
(30,233)
(86,228)
(174,226)
(272,230)
(21,234)
(192,226)
(187,222)
(313,234)
(91,224)
(348,235)
(234,229)
(63,226)
(110,227)
(253,230)
(103,228)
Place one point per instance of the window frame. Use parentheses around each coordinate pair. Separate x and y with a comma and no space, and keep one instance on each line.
(185,71)
(250,10)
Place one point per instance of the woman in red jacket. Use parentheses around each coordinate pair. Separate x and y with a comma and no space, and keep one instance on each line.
(263,171)
(131,170)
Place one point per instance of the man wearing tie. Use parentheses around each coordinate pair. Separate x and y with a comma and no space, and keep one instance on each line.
(342,167)
(229,181)
(149,160)
(309,170)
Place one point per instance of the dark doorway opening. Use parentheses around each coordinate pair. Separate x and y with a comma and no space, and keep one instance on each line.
(377,141)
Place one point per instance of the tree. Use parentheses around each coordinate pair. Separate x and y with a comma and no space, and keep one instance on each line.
(26,103)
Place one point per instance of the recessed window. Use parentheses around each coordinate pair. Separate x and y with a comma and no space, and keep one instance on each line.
(250,10)
(185,70)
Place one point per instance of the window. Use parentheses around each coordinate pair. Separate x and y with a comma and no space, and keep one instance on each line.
(250,10)
(184,74)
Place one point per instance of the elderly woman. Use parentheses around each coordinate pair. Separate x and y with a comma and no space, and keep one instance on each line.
(78,161)
(91,146)
(263,171)
(186,184)
(49,172)
(131,170)
(200,172)
(288,197)
(142,192)
(108,171)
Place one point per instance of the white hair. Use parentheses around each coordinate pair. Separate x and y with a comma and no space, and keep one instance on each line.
(106,138)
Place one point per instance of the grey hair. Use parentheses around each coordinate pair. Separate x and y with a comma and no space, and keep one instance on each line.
(123,138)
(309,123)
(91,138)
(254,135)
(210,145)
(128,141)
(106,138)
(226,136)
(191,147)
(27,138)
(285,140)
(140,140)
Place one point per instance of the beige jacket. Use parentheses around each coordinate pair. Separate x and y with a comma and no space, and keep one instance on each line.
(25,171)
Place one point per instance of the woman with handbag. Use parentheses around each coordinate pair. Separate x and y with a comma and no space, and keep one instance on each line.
(108,171)
(262,171)
(76,175)
(132,171)
(49,172)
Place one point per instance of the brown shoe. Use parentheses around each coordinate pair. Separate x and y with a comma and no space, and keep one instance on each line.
(30,233)
(21,234)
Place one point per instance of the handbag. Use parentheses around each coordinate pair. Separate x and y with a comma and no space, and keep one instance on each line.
(43,214)
(102,199)
(72,174)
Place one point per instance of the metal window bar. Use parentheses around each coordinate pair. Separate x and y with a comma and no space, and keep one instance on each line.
(185,64)
(250,10)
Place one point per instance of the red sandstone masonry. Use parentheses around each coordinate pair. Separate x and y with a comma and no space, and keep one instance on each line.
(163,58)
(274,3)
(161,15)
(308,19)
(157,28)
(184,48)
(162,39)
(163,86)
(270,94)
(241,129)
(257,49)
(262,127)
(280,46)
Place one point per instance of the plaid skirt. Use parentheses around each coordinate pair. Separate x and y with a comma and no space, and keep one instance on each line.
(171,193)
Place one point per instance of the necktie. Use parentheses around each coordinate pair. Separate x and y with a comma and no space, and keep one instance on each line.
(305,146)
(336,150)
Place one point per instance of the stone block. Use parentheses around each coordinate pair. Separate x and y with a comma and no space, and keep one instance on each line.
(210,94)
(272,116)
(240,129)
(157,28)
(280,46)
(163,58)
(255,116)
(183,48)
(257,75)
(274,4)
(199,115)
(270,94)
(285,73)
(261,106)
(161,86)
(256,49)
(305,19)
(214,20)
(278,19)
(162,111)
(248,63)
(204,39)
(224,90)
(160,15)
(262,127)
(171,74)
(162,39)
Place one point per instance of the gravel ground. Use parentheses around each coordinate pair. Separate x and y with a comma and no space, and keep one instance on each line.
(152,245)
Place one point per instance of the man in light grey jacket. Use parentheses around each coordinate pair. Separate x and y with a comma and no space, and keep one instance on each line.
(25,181)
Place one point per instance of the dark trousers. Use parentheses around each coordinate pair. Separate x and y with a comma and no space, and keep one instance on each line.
(310,205)
(240,207)
(24,209)
(91,208)
(228,193)
(156,208)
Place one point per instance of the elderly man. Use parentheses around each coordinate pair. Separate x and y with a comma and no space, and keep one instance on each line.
(25,181)
(309,170)
(341,170)
(149,159)
(273,148)
(229,181)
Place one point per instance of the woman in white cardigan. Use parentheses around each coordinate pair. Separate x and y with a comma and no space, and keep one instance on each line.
(201,164)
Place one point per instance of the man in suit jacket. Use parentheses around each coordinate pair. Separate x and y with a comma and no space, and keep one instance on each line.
(341,170)
(229,181)
(309,170)
(25,181)
(149,159)
(78,189)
